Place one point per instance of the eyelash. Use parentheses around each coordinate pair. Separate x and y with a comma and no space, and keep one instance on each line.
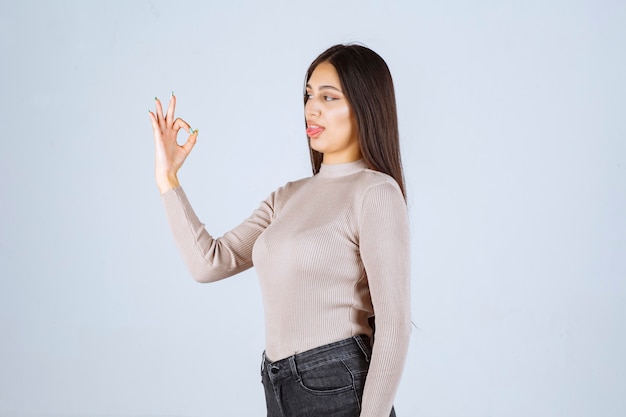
(307,97)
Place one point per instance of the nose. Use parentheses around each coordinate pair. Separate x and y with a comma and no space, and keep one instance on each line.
(311,108)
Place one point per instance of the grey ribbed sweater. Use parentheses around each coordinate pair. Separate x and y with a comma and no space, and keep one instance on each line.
(330,251)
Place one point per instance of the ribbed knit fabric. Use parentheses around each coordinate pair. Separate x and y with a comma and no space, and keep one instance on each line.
(330,251)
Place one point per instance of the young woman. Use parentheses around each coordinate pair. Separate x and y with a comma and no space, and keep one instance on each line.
(331,251)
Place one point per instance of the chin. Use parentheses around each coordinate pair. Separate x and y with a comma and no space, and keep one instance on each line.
(319,149)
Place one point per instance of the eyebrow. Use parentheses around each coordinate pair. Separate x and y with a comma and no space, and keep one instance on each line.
(326,87)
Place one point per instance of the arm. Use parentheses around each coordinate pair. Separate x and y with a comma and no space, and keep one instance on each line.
(210,259)
(384,246)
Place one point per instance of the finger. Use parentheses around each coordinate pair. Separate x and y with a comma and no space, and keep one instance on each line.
(155,123)
(169,118)
(191,141)
(156,129)
(181,124)
(159,110)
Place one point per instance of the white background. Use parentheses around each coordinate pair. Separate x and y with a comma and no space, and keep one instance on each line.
(512,118)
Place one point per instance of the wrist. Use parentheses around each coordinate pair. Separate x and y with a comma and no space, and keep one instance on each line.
(167,182)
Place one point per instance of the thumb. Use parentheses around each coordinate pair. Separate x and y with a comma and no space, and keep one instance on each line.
(191,141)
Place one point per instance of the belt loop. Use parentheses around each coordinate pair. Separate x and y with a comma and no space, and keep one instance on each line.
(263,361)
(359,341)
(294,369)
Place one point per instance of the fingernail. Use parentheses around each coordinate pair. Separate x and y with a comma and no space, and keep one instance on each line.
(172,93)
(196,131)
(190,131)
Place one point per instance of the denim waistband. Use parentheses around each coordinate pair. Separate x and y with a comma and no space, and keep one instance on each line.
(353,346)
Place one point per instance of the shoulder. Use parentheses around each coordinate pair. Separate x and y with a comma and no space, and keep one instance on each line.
(374,182)
(292,186)
(284,192)
(379,197)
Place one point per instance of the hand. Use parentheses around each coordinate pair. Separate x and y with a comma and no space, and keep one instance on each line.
(169,155)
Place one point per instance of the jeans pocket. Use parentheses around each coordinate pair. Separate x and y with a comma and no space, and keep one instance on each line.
(327,378)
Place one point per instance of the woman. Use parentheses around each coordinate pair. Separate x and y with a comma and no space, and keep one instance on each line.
(331,251)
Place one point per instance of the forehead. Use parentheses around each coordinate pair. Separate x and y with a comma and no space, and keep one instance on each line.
(324,74)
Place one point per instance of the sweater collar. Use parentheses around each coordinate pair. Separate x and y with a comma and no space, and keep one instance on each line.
(339,170)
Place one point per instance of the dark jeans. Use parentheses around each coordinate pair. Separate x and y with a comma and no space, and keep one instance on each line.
(325,381)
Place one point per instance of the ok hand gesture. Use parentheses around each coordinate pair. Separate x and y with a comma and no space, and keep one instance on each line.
(169,155)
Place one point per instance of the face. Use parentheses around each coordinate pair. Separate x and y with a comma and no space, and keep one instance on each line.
(331,125)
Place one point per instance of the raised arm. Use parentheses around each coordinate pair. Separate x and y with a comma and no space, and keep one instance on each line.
(207,258)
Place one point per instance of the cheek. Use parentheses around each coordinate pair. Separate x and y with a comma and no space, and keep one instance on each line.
(343,118)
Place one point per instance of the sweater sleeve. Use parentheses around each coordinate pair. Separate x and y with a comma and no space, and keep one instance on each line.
(384,246)
(207,258)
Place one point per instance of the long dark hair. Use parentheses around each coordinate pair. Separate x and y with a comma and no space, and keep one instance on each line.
(366,82)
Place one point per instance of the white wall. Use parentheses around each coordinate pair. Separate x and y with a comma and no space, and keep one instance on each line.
(512,122)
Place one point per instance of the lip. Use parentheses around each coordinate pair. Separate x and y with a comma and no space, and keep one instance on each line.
(313,130)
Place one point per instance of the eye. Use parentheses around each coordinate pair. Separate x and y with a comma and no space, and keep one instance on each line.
(329,98)
(308,96)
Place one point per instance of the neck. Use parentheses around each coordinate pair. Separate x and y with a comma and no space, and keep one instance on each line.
(329,159)
(341,169)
